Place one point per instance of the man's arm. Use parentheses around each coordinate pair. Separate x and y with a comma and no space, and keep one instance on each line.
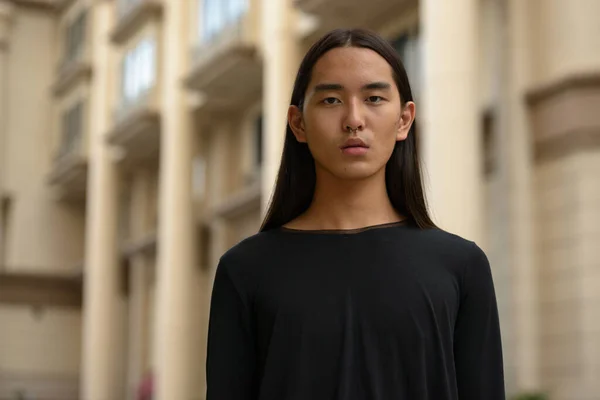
(231,358)
(477,339)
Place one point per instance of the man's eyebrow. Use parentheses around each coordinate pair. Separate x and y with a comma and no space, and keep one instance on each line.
(324,87)
(377,85)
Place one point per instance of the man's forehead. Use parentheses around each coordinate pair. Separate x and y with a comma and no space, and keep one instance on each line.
(351,66)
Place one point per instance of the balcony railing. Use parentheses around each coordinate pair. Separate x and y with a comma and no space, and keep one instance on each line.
(72,58)
(71,143)
(227,67)
(133,14)
(145,100)
(68,173)
(231,33)
(74,66)
(136,129)
(353,13)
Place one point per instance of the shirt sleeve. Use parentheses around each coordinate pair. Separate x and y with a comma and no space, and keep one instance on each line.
(231,356)
(477,340)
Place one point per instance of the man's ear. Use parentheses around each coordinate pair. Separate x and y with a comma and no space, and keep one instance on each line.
(296,123)
(407,117)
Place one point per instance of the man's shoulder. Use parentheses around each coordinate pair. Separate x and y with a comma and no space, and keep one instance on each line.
(251,250)
(447,243)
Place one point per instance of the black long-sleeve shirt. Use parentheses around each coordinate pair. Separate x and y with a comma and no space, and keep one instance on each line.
(381,313)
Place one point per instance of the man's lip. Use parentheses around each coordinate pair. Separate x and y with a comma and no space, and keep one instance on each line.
(355,150)
(354,142)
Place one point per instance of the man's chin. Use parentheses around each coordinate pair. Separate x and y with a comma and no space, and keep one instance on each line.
(356,173)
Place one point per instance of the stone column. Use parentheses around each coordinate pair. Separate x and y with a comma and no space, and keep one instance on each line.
(176,269)
(138,285)
(103,309)
(451,137)
(280,57)
(518,167)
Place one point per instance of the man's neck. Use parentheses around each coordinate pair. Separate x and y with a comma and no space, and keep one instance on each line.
(345,204)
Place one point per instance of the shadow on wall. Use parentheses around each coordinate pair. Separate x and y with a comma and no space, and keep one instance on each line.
(531,396)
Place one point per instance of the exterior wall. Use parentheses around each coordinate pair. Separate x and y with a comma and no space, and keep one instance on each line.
(557,54)
(34,219)
(57,338)
(35,215)
(566,252)
(568,220)
(29,333)
(563,102)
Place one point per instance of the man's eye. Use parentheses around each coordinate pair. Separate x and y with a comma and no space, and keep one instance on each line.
(375,99)
(330,100)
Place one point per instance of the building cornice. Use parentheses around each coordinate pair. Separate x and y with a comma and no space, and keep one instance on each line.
(565,116)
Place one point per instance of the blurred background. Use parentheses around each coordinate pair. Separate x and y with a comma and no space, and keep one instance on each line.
(140,139)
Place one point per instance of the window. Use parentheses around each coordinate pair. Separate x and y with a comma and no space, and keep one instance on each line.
(75,38)
(408,47)
(138,71)
(253,150)
(5,224)
(124,210)
(199,177)
(489,145)
(258,142)
(205,247)
(216,15)
(71,130)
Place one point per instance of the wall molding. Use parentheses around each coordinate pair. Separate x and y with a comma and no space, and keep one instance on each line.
(565,116)
(41,289)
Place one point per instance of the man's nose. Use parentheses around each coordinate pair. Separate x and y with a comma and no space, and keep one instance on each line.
(354,119)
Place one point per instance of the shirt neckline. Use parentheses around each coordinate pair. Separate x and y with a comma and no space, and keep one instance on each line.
(344,231)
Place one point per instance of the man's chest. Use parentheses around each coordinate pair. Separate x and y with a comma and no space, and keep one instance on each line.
(388,294)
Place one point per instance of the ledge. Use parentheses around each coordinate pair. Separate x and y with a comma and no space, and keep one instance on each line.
(41,289)
(137,133)
(62,5)
(237,204)
(71,74)
(144,245)
(350,13)
(43,5)
(69,175)
(228,71)
(134,18)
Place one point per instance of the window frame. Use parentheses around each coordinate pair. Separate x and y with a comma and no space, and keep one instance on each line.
(75,37)
(138,70)
(215,16)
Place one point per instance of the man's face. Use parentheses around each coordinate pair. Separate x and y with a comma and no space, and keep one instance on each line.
(352,115)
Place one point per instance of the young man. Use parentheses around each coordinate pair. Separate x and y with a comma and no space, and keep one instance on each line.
(350,291)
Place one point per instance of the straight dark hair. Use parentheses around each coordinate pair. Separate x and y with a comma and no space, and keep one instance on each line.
(295,185)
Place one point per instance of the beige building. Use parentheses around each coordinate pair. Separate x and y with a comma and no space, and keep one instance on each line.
(139,139)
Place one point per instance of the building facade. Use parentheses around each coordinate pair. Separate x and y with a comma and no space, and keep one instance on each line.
(140,139)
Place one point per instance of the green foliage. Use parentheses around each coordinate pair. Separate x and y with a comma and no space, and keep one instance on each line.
(531,396)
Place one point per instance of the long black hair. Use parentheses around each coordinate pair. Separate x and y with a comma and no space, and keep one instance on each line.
(295,185)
